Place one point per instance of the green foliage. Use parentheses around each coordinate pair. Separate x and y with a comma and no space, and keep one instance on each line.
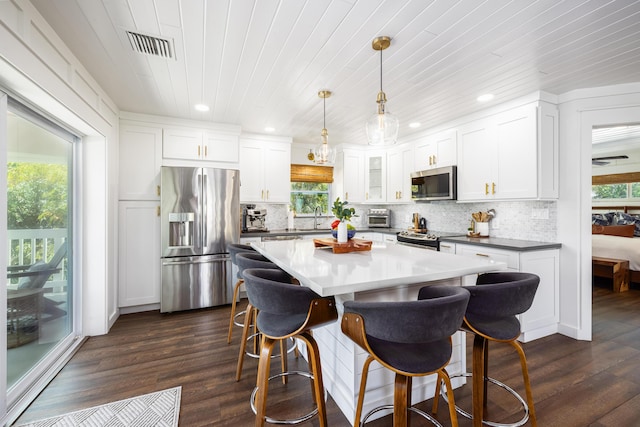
(36,196)
(341,211)
(305,196)
(609,191)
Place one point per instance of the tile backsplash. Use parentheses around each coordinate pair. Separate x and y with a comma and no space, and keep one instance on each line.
(526,220)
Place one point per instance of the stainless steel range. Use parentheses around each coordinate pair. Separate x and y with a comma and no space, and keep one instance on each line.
(429,240)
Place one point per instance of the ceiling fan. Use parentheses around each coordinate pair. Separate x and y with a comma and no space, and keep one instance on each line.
(600,161)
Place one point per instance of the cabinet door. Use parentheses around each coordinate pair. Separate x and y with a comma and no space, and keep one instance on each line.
(375,177)
(448,248)
(352,168)
(543,316)
(277,173)
(446,153)
(140,159)
(251,172)
(182,144)
(139,253)
(476,157)
(220,148)
(425,151)
(399,168)
(516,173)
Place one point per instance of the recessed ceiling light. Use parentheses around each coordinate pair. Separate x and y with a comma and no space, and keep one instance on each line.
(201,107)
(485,98)
(414,125)
(269,129)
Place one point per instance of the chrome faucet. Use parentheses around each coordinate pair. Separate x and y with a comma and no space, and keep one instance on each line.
(316,213)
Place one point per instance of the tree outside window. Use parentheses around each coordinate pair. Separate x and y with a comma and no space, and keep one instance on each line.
(305,196)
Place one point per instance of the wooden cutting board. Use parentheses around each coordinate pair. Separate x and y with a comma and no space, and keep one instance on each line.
(352,245)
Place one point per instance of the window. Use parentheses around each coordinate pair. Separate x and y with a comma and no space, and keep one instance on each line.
(305,196)
(618,187)
(609,191)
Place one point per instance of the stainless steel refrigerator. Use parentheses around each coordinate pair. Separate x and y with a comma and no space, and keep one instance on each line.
(200,216)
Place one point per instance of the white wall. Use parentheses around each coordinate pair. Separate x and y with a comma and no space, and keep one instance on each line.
(38,69)
(580,111)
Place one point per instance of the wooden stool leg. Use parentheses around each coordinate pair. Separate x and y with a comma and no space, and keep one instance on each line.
(436,394)
(401,399)
(452,404)
(363,386)
(316,370)
(479,344)
(264,366)
(236,290)
(527,384)
(243,343)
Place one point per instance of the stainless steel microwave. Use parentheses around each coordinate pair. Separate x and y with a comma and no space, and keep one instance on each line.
(434,184)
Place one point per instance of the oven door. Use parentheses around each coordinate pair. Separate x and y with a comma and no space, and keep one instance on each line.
(379,221)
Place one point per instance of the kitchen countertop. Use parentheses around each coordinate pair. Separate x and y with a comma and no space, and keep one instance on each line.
(501,243)
(385,266)
(303,231)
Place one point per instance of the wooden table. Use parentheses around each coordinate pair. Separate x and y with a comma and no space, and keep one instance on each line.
(388,272)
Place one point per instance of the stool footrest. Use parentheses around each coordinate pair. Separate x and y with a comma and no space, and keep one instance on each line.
(292,421)
(466,414)
(411,408)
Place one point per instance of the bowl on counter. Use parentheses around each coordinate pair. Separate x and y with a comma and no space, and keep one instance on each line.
(350,233)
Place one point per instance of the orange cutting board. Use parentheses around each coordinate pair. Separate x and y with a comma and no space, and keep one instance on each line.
(352,245)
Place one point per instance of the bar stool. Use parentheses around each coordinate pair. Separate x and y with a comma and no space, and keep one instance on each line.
(234,249)
(495,302)
(412,339)
(247,260)
(287,311)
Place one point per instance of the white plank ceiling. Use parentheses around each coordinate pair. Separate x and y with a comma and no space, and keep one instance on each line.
(260,63)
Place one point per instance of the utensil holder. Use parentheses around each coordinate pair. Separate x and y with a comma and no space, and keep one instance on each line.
(482,228)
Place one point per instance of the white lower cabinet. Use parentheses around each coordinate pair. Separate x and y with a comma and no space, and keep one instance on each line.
(138,253)
(447,248)
(543,316)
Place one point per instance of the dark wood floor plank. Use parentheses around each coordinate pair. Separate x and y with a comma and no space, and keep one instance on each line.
(575,383)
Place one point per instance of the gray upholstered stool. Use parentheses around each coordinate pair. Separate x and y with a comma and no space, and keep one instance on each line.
(495,302)
(246,260)
(411,339)
(234,249)
(287,311)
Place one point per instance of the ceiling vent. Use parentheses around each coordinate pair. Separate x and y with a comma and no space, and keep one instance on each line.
(150,45)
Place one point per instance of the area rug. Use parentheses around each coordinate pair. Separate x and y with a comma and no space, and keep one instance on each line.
(159,409)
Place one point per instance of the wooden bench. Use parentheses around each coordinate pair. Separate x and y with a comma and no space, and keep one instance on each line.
(616,269)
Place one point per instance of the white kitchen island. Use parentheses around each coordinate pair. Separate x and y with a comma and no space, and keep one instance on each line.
(389,272)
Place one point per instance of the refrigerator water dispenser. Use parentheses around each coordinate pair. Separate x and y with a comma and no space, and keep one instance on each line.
(181,229)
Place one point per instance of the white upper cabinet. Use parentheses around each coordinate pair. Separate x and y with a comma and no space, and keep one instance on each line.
(436,151)
(140,159)
(509,155)
(400,163)
(348,176)
(265,170)
(193,144)
(375,177)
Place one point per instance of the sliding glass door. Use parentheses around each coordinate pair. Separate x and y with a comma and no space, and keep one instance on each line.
(39,246)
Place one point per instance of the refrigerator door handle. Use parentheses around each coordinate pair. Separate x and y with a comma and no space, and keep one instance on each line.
(205,220)
(197,260)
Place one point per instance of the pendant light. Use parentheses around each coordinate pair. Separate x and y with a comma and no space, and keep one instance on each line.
(323,154)
(382,127)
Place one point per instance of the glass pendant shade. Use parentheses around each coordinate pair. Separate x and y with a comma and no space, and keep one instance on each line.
(323,154)
(382,128)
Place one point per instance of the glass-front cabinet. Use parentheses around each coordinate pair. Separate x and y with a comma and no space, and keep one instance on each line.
(375,177)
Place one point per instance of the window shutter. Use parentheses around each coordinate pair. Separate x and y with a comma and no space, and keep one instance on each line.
(306,173)
(618,178)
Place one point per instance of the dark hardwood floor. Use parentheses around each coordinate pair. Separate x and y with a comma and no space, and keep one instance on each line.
(575,383)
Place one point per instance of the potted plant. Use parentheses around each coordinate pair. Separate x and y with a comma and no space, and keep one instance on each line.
(344,214)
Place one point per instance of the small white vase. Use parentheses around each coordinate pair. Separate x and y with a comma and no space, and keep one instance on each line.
(342,232)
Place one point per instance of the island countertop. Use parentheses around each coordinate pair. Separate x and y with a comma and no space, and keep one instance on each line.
(384,266)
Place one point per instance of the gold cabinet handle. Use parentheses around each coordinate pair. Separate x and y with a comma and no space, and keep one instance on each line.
(366,196)
(262,195)
(486,188)
(493,188)
(267,194)
(483,255)
(157,210)
(346,195)
(434,159)
(205,151)
(158,190)
(198,151)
